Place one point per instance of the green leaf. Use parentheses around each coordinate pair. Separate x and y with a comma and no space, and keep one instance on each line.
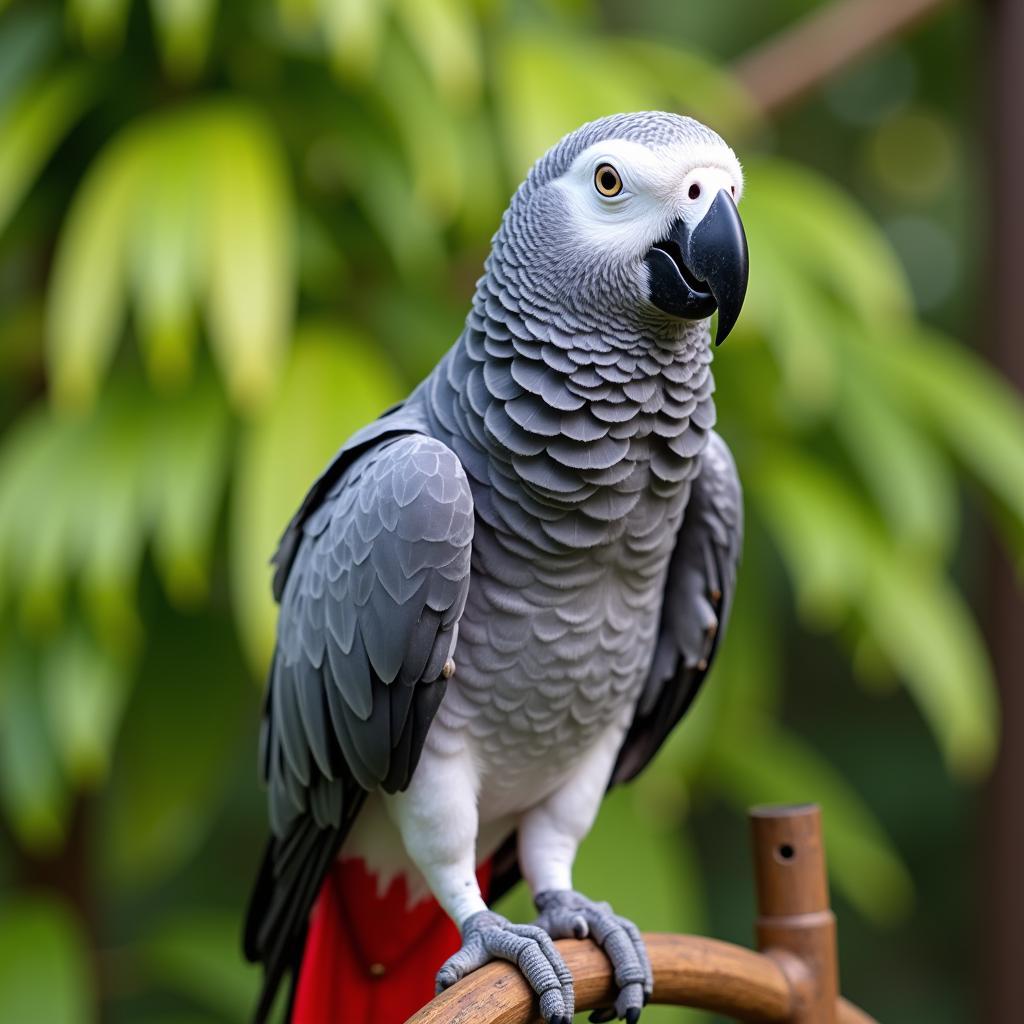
(407,227)
(251,258)
(427,129)
(33,535)
(909,478)
(44,965)
(31,787)
(765,766)
(31,35)
(81,514)
(977,414)
(826,239)
(301,14)
(79,499)
(483,201)
(841,560)
(31,129)
(197,955)
(110,521)
(196,197)
(444,34)
(100,23)
(85,304)
(184,28)
(166,255)
(323,266)
(821,529)
(335,383)
(799,327)
(85,691)
(187,469)
(547,84)
(177,752)
(354,30)
(926,630)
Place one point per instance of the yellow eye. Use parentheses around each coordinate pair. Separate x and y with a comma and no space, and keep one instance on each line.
(607,180)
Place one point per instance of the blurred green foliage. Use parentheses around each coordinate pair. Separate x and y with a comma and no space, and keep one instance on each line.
(230,234)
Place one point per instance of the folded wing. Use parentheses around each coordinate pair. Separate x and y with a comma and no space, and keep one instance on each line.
(372,579)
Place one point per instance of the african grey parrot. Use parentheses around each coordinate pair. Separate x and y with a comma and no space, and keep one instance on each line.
(501,596)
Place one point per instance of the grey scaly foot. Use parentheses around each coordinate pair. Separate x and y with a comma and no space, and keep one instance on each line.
(567,914)
(488,936)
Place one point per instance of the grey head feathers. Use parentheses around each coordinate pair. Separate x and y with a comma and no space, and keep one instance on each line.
(655,129)
(564,250)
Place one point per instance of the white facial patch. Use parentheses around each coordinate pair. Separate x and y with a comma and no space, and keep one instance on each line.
(658,187)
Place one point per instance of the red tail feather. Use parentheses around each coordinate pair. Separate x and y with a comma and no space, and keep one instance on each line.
(371,959)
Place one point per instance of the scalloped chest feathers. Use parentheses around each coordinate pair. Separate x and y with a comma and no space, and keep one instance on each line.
(580,464)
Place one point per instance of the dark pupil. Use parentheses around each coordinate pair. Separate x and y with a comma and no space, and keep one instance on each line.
(694,191)
(608,180)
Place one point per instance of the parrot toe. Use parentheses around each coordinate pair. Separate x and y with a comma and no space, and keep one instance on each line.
(629,1003)
(488,936)
(560,914)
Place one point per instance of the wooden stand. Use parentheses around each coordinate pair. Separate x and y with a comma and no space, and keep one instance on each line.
(793,980)
(796,927)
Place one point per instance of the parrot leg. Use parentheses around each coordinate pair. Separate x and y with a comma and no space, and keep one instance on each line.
(438,820)
(549,835)
(567,914)
(488,936)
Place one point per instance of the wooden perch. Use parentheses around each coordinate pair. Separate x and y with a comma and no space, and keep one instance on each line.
(793,980)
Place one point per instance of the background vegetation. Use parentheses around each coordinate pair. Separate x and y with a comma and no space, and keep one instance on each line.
(230,233)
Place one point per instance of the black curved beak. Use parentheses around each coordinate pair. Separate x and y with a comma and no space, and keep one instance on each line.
(693,273)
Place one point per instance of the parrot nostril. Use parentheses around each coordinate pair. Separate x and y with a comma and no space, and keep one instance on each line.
(694,192)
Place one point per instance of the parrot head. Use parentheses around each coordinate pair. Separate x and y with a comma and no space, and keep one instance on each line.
(632,217)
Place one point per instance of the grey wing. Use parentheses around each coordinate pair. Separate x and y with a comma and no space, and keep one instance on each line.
(373,580)
(369,616)
(697,599)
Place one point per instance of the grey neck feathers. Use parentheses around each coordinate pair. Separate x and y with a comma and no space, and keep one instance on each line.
(568,427)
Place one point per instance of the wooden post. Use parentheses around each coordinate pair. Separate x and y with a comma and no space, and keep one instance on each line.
(997,302)
(795,925)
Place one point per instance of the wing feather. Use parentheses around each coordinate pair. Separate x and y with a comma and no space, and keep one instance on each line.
(372,577)
(695,607)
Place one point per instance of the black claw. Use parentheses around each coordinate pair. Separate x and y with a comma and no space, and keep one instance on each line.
(603,1015)
(632,1015)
